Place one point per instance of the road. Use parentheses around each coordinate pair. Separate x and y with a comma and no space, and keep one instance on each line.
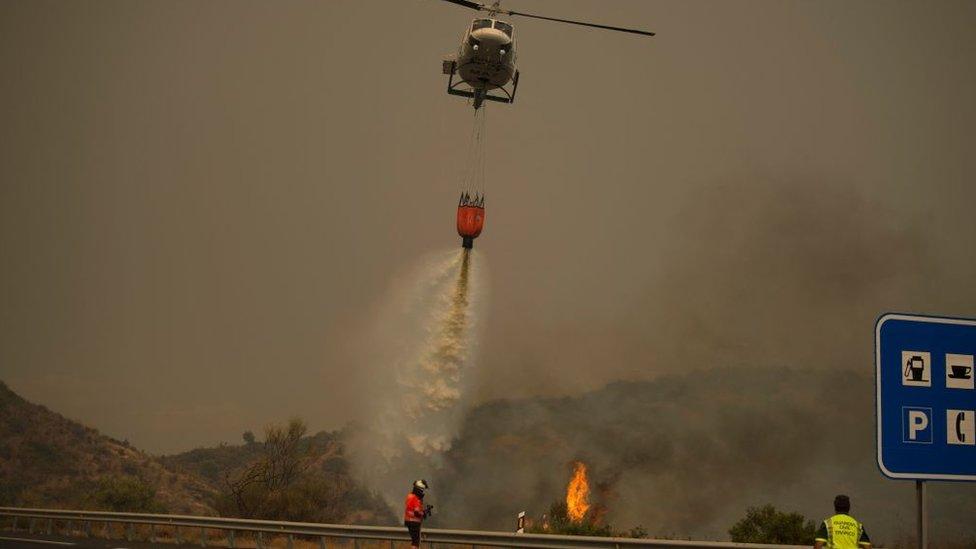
(23,540)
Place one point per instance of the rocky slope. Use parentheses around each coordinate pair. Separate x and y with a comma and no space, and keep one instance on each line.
(47,460)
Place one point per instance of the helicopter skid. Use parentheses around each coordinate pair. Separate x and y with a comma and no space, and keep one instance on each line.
(482,94)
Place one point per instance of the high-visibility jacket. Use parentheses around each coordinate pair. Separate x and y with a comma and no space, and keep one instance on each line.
(842,532)
(414,511)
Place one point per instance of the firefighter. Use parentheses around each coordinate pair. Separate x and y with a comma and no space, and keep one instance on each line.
(415,512)
(841,531)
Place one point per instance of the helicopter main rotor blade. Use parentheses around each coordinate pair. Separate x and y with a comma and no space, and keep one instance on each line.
(468,4)
(571,22)
(481,7)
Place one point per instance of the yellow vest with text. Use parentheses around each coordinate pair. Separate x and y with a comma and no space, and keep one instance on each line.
(843,532)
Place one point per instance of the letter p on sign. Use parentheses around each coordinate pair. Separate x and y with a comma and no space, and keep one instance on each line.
(917,425)
(917,421)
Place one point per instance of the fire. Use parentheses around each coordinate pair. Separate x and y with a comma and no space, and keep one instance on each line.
(578,493)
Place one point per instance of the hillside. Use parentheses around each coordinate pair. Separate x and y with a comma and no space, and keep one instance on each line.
(213,463)
(685,455)
(47,460)
(325,491)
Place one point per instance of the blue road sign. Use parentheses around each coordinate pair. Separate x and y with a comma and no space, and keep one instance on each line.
(926,397)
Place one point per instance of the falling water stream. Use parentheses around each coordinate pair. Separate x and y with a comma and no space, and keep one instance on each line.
(432,384)
(422,353)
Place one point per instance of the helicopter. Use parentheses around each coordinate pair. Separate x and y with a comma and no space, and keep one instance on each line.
(485,60)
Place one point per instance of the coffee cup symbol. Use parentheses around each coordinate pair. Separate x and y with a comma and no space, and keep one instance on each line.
(915,367)
(960,371)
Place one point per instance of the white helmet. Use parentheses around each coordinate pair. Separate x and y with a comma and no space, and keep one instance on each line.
(421,485)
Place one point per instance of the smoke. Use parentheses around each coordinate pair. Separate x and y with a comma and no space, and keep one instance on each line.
(761,391)
(422,347)
(685,455)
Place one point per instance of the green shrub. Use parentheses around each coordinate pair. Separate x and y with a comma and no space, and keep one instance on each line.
(767,525)
(45,456)
(8,494)
(127,494)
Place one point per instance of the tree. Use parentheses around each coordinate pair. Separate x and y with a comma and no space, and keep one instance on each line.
(269,488)
(127,494)
(297,478)
(248,437)
(767,525)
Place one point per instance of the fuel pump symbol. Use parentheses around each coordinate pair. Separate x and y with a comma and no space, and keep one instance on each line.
(916,368)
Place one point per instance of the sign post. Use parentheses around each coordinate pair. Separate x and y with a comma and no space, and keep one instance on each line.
(926,401)
(923,515)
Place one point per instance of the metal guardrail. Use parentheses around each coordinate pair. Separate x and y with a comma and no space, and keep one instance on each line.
(323,532)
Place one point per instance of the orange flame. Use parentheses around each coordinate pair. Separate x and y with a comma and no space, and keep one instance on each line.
(577,494)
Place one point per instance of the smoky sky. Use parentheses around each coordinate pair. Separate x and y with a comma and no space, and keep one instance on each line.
(203,204)
(684,455)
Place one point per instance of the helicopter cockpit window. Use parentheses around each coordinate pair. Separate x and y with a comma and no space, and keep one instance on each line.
(504,27)
(481,24)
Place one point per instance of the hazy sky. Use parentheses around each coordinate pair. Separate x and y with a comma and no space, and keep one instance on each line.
(203,204)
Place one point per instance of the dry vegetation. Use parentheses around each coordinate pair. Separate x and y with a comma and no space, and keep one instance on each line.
(47,460)
(299,478)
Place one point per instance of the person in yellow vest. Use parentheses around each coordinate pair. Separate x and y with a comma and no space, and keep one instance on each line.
(841,531)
